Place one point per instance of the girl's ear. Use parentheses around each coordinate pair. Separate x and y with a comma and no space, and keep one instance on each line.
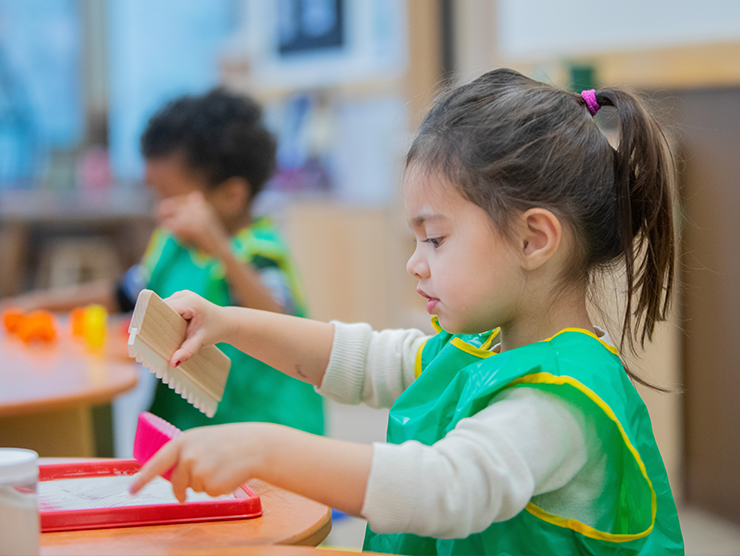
(540,237)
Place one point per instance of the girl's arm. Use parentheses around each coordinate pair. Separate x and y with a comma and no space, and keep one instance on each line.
(370,367)
(217,460)
(525,443)
(351,363)
(296,346)
(485,470)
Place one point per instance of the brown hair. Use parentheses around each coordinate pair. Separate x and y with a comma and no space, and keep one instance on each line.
(511,143)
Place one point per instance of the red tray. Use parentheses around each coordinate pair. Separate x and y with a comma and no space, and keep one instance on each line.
(54,517)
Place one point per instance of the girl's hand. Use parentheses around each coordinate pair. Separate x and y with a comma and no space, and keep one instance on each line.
(206,326)
(216,460)
(194,221)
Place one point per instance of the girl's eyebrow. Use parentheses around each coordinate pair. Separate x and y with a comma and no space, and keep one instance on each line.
(422,219)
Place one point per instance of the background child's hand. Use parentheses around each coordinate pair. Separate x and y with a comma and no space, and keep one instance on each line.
(205,328)
(194,221)
(216,460)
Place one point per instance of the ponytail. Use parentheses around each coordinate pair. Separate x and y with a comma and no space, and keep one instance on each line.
(644,174)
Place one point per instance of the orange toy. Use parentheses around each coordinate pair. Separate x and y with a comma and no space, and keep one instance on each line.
(12,319)
(38,325)
(77,321)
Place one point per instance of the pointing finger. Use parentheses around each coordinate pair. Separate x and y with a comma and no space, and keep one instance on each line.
(180,482)
(161,462)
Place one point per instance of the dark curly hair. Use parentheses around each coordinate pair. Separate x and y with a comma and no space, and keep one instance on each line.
(220,134)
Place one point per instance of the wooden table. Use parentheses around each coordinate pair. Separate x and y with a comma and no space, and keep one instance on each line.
(273,550)
(287,519)
(47,390)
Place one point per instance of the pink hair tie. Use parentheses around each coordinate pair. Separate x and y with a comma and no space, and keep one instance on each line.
(590,97)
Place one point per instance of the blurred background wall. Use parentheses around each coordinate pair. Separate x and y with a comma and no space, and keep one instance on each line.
(344,84)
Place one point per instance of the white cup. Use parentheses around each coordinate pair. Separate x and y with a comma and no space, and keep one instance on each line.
(19,514)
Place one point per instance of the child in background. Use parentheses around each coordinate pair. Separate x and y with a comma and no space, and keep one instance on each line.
(516,428)
(207,157)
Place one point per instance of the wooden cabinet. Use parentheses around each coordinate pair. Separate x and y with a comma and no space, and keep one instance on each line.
(353,263)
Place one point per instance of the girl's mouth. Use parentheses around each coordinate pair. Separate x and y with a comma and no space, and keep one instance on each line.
(431,301)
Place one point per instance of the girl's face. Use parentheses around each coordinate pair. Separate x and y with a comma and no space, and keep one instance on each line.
(470,275)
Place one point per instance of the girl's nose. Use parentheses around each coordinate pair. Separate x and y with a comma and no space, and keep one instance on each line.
(417,266)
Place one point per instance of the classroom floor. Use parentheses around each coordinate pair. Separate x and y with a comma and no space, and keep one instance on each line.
(705,534)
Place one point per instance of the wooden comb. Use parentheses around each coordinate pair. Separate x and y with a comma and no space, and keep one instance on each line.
(155,333)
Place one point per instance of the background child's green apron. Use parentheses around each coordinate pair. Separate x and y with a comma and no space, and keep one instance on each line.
(254,391)
(458,376)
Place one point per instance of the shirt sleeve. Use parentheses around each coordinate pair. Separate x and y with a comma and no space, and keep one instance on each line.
(526,442)
(370,367)
(130,285)
(275,280)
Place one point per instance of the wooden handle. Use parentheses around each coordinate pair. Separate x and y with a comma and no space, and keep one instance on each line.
(154,320)
(163,330)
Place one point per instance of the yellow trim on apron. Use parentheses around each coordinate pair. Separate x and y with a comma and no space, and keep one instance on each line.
(482,351)
(573,524)
(417,363)
(594,336)
(435,324)
(487,344)
(472,350)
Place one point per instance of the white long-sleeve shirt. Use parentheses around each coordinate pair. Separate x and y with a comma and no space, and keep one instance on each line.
(528,444)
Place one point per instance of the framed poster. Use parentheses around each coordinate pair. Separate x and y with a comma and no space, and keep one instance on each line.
(295,44)
(310,25)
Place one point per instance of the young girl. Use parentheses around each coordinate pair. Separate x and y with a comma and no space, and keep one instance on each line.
(516,428)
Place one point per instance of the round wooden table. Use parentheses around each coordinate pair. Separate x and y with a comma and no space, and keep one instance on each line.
(287,519)
(48,389)
(272,551)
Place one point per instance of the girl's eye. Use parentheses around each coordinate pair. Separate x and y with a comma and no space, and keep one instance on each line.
(435,241)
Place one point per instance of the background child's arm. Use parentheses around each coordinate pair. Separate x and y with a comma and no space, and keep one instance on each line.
(217,460)
(245,284)
(296,346)
(193,221)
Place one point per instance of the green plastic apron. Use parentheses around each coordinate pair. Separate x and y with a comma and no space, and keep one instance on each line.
(458,376)
(254,391)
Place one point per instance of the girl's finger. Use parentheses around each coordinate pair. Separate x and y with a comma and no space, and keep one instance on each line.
(189,347)
(196,483)
(180,480)
(179,302)
(165,458)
